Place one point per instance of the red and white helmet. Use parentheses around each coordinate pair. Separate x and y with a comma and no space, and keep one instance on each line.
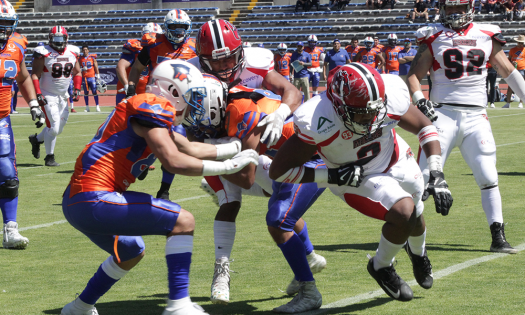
(58,38)
(10,17)
(218,40)
(392,39)
(357,88)
(246,45)
(312,41)
(152,28)
(282,48)
(456,20)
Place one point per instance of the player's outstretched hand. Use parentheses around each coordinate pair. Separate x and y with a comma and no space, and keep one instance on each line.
(437,187)
(76,95)
(427,108)
(346,175)
(240,160)
(36,112)
(274,125)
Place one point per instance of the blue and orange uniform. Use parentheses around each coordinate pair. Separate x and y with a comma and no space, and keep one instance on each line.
(130,52)
(392,59)
(282,64)
(352,51)
(315,68)
(369,57)
(162,50)
(87,63)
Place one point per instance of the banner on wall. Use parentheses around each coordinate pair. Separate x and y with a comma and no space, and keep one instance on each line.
(90,2)
(109,75)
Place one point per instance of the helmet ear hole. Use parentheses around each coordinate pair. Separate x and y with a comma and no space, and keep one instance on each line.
(175,93)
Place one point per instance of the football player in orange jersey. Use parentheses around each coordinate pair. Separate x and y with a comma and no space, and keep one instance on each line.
(370,55)
(353,49)
(390,53)
(282,61)
(90,76)
(97,203)
(12,66)
(317,62)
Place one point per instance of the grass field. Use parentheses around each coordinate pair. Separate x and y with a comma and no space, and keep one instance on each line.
(468,278)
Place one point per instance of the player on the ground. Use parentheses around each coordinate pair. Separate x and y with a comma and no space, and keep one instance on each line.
(106,168)
(316,68)
(456,53)
(282,61)
(54,66)
(12,65)
(390,53)
(370,55)
(90,76)
(370,167)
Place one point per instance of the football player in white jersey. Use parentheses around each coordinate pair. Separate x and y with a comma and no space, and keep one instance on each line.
(370,167)
(54,66)
(456,53)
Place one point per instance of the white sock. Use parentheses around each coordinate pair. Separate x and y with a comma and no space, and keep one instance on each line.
(83,305)
(224,237)
(40,136)
(111,268)
(178,244)
(491,203)
(385,254)
(262,171)
(49,141)
(417,243)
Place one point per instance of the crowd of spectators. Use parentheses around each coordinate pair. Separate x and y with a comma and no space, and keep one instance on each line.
(380,4)
(510,9)
(307,5)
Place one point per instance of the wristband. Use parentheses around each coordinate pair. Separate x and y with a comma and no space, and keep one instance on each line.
(427,134)
(98,76)
(36,83)
(321,175)
(33,103)
(284,109)
(434,163)
(226,151)
(292,176)
(516,83)
(417,96)
(210,168)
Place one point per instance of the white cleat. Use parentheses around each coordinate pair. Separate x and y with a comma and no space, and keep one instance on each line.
(183,306)
(220,287)
(520,105)
(74,308)
(87,110)
(13,239)
(506,105)
(316,262)
(98,109)
(492,105)
(207,188)
(307,299)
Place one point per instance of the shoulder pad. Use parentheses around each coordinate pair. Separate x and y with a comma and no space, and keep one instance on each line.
(397,95)
(21,39)
(132,46)
(74,49)
(148,39)
(259,58)
(94,56)
(41,50)
(155,111)
(494,31)
(425,32)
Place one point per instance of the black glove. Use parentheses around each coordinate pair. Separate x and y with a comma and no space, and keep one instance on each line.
(131,91)
(347,175)
(41,100)
(143,175)
(76,95)
(427,108)
(437,187)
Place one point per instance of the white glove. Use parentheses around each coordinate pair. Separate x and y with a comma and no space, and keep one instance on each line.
(124,89)
(227,147)
(84,69)
(235,164)
(274,124)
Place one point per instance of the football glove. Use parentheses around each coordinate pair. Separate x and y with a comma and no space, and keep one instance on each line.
(101,86)
(131,91)
(346,175)
(274,125)
(76,95)
(36,113)
(438,188)
(124,89)
(427,108)
(41,100)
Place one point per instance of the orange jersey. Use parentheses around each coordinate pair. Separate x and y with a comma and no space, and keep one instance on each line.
(391,58)
(379,47)
(162,50)
(282,63)
(352,52)
(130,52)
(116,156)
(369,57)
(517,54)
(10,59)
(316,55)
(88,62)
(246,107)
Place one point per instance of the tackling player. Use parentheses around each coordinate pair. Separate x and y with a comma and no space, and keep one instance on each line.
(97,203)
(91,76)
(316,68)
(54,66)
(456,53)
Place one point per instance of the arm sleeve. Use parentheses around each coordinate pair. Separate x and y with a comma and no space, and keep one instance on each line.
(144,56)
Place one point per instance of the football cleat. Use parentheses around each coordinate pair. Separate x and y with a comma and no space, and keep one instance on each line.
(73,110)
(183,306)
(390,282)
(50,160)
(98,109)
(207,188)
(163,194)
(73,309)
(499,242)
(422,268)
(307,299)
(506,105)
(13,239)
(87,109)
(220,287)
(316,262)
(492,105)
(35,146)
(15,112)
(520,105)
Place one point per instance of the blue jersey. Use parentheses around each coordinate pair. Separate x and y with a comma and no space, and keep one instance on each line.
(335,59)
(403,68)
(304,57)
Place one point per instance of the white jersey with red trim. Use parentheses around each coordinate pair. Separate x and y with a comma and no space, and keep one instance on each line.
(317,123)
(58,68)
(259,62)
(459,69)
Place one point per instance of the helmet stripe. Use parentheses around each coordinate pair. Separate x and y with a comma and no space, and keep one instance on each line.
(373,89)
(4,7)
(218,41)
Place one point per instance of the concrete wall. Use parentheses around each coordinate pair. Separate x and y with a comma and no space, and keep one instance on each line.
(45,6)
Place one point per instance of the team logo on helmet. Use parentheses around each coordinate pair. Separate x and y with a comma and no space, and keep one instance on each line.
(181,72)
(233,29)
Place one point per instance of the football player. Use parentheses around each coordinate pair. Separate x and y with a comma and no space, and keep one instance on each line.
(456,53)
(54,66)
(317,64)
(390,54)
(91,76)
(282,61)
(370,55)
(106,168)
(353,49)
(12,65)
(370,167)
(244,107)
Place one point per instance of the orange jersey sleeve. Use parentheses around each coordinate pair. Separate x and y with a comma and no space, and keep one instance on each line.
(517,55)
(130,52)
(282,63)
(162,50)
(10,60)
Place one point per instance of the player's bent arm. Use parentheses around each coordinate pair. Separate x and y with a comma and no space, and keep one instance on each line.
(122,76)
(76,70)
(138,66)
(37,68)
(292,155)
(419,68)
(415,122)
(276,83)
(95,66)
(357,57)
(504,67)
(25,84)
(203,151)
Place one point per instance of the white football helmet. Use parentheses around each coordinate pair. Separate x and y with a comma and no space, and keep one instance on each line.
(181,83)
(456,20)
(392,39)
(152,28)
(246,44)
(101,86)
(312,41)
(282,48)
(177,26)
(369,42)
(10,17)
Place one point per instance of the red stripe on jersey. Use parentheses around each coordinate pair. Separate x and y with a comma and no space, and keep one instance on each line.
(366,206)
(215,183)
(306,140)
(395,153)
(261,72)
(329,140)
(427,135)
(394,117)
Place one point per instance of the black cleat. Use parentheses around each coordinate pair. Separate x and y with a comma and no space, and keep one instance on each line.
(499,242)
(35,146)
(50,160)
(390,282)
(422,268)
(163,194)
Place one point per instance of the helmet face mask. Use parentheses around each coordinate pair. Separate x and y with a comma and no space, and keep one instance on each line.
(58,38)
(312,41)
(177,26)
(392,40)
(369,42)
(282,48)
(8,22)
(460,13)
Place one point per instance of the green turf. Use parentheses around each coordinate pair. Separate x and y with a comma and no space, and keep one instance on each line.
(60,260)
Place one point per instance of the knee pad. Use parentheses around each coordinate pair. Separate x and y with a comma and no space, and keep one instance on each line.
(128,247)
(485,173)
(9,189)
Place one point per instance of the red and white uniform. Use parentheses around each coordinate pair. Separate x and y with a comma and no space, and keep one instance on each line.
(58,69)
(258,63)
(390,171)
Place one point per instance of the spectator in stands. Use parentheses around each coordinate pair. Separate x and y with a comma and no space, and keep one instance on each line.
(491,6)
(301,60)
(405,58)
(338,4)
(499,6)
(519,10)
(482,5)
(369,4)
(335,57)
(304,4)
(517,58)
(508,10)
(391,2)
(315,3)
(492,75)
(420,10)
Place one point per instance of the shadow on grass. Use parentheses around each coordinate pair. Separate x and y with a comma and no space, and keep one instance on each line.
(512,174)
(453,248)
(66,172)
(346,247)
(28,164)
(356,308)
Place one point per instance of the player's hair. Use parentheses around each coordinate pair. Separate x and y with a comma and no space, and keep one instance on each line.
(354,38)
(85,46)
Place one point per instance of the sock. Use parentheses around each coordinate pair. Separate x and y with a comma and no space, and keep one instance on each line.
(71,102)
(491,203)
(49,142)
(295,253)
(40,136)
(96,99)
(86,99)
(386,251)
(167,177)
(261,174)
(303,235)
(255,190)
(8,207)
(178,257)
(106,276)
(224,237)
(417,243)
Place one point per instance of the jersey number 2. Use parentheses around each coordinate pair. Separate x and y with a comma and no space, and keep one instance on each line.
(11,69)
(453,60)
